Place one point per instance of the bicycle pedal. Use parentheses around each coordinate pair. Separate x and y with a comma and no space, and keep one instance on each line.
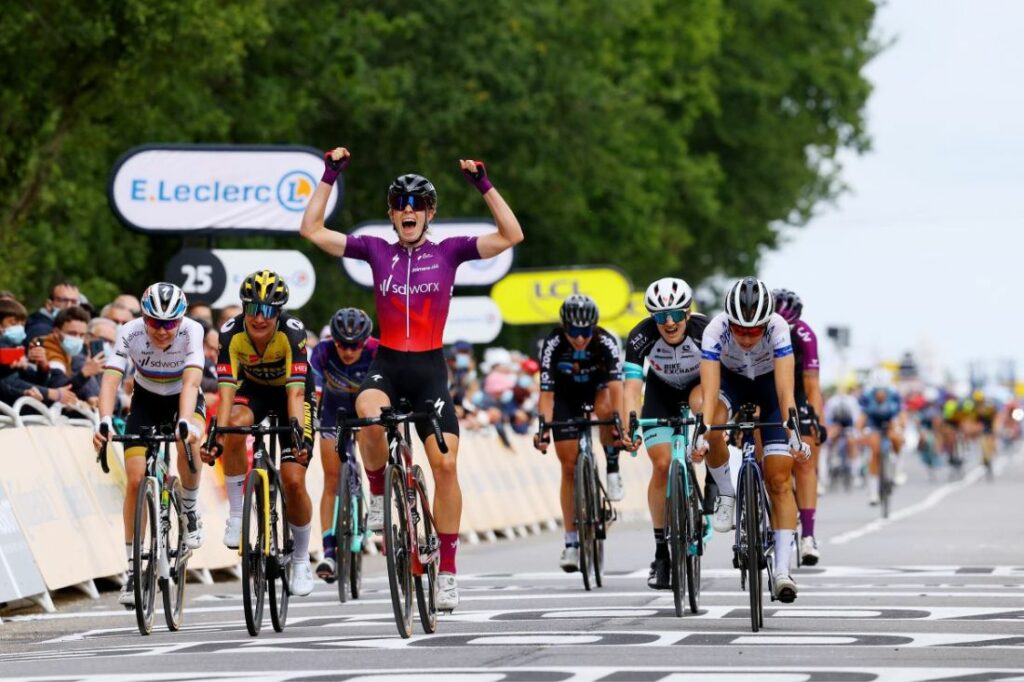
(599,531)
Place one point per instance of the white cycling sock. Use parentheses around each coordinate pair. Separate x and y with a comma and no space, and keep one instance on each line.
(300,537)
(723,479)
(783,550)
(189,498)
(236,494)
(876,485)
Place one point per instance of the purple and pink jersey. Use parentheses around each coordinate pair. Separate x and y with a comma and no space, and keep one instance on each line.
(805,345)
(412,287)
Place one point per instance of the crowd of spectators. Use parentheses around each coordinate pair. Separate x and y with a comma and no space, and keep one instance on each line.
(56,355)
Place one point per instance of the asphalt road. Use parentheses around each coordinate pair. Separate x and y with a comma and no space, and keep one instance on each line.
(935,593)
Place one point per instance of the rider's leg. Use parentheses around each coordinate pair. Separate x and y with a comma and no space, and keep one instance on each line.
(806,475)
(718,455)
(135,471)
(332,471)
(874,439)
(373,442)
(447,507)
(778,478)
(300,507)
(567,451)
(603,409)
(661,457)
(236,463)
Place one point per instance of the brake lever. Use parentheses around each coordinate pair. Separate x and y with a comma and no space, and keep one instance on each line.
(183,435)
(101,456)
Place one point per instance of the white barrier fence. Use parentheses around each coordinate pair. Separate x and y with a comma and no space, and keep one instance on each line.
(60,515)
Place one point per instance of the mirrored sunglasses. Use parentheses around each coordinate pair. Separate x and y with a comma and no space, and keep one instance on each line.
(399,201)
(747,331)
(584,332)
(662,317)
(268,311)
(154,323)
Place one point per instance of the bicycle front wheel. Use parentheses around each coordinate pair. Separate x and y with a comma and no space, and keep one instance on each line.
(676,536)
(280,561)
(752,526)
(884,480)
(145,553)
(343,532)
(396,549)
(427,540)
(694,541)
(253,560)
(173,587)
(356,570)
(599,503)
(584,527)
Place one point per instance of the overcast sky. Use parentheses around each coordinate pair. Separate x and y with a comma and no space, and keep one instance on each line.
(925,252)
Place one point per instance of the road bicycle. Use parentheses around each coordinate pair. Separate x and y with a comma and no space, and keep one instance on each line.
(266,543)
(411,543)
(159,553)
(348,522)
(754,547)
(593,512)
(686,525)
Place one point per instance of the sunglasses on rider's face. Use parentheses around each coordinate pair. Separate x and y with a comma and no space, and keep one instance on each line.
(345,345)
(750,332)
(398,202)
(665,315)
(154,323)
(268,311)
(580,332)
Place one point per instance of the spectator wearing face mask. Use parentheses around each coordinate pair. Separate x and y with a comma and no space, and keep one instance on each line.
(20,377)
(62,356)
(62,295)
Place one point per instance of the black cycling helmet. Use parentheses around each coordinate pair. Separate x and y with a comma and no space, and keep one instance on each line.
(351,325)
(749,303)
(413,184)
(788,304)
(264,286)
(579,310)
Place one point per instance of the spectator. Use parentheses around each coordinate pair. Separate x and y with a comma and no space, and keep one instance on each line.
(129,303)
(61,356)
(201,313)
(117,314)
(6,295)
(211,349)
(19,377)
(62,295)
(102,329)
(227,313)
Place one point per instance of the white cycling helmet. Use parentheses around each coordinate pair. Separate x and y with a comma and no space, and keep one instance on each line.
(164,301)
(749,303)
(668,293)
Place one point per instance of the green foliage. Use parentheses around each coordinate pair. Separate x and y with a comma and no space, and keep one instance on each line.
(664,136)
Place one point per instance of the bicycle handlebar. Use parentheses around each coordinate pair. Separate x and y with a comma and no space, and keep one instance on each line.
(252,430)
(579,423)
(134,438)
(746,425)
(392,418)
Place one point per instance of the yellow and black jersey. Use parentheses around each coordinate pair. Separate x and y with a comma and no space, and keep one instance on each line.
(282,363)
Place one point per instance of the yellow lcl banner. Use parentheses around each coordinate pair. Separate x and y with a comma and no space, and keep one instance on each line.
(634,314)
(534,296)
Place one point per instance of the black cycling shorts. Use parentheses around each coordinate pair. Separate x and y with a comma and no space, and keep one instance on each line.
(569,405)
(663,400)
(150,409)
(418,377)
(263,400)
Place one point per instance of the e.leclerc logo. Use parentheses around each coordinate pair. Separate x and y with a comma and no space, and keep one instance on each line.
(294,190)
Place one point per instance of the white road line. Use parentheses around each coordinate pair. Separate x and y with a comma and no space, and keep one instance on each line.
(898,515)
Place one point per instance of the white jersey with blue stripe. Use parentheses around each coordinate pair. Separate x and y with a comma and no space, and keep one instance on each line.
(719,344)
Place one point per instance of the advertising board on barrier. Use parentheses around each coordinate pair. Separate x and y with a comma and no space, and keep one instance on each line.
(470,273)
(215,276)
(19,576)
(174,189)
(476,319)
(534,296)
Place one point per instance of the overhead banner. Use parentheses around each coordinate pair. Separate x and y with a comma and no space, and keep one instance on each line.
(190,189)
(215,276)
(471,273)
(476,319)
(534,296)
(635,313)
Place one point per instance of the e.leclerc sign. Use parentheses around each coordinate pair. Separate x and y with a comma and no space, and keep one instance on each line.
(174,189)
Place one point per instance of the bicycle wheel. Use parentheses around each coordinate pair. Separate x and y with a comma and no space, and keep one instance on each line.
(598,505)
(343,532)
(145,554)
(356,570)
(396,548)
(676,536)
(427,541)
(173,587)
(584,529)
(752,521)
(280,561)
(694,542)
(253,560)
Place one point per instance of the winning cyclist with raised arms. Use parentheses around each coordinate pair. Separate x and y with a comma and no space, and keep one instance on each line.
(413,283)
